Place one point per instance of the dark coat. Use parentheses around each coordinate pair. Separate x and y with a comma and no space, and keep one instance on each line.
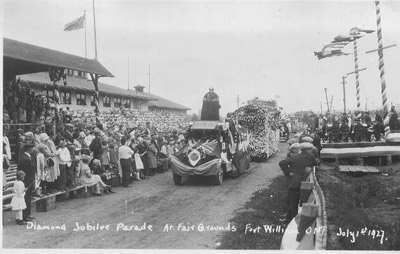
(26,164)
(297,164)
(96,148)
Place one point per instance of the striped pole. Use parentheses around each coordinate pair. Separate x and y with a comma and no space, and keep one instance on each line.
(357,75)
(381,63)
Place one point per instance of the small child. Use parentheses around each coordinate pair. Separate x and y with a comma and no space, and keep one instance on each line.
(18,202)
(139,174)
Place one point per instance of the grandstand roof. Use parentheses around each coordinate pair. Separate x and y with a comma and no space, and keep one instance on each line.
(161,102)
(77,83)
(23,58)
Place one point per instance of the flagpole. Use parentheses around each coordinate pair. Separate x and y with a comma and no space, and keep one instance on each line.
(95,39)
(84,14)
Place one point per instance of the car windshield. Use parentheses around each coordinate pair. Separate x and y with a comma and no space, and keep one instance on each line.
(203,134)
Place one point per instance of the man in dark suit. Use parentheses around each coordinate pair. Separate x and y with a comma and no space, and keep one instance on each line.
(69,130)
(95,146)
(294,167)
(26,164)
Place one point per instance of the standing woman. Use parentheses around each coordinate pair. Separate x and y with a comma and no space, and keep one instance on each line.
(152,153)
(142,150)
(51,161)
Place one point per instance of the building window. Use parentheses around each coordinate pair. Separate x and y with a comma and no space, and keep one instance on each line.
(106,101)
(117,102)
(80,99)
(92,100)
(65,97)
(127,103)
(136,104)
(49,94)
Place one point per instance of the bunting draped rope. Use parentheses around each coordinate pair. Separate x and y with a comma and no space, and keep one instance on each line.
(380,54)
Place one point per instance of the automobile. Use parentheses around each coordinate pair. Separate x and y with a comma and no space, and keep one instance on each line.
(211,148)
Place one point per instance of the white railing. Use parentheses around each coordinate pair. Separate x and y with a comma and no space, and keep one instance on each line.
(308,230)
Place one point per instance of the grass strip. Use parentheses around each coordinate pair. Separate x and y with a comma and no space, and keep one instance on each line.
(263,210)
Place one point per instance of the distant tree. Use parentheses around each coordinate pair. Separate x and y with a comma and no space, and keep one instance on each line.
(194,117)
(306,118)
(267,105)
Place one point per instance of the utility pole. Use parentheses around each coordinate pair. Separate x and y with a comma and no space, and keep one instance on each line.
(344,93)
(320,103)
(128,72)
(366,104)
(237,101)
(149,78)
(95,38)
(326,97)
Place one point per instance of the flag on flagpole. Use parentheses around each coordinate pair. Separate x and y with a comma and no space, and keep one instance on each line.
(356,30)
(75,25)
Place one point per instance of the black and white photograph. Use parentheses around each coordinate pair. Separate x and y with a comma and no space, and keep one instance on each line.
(219,125)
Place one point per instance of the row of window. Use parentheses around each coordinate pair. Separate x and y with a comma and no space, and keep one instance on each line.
(65,98)
(75,73)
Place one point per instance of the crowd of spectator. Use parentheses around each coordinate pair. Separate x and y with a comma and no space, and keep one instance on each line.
(95,150)
(354,126)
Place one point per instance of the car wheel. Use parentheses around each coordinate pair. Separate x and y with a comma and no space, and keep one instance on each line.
(219,177)
(177,179)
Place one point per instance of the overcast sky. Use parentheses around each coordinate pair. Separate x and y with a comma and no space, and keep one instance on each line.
(259,48)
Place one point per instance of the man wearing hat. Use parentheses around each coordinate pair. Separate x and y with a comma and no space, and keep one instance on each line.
(294,167)
(68,134)
(95,145)
(26,163)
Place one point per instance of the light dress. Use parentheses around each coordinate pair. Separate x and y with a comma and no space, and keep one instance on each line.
(84,176)
(18,200)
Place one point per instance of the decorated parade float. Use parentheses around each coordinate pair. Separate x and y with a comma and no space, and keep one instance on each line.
(217,148)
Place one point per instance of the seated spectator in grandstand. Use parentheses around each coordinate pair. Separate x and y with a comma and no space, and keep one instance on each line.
(95,146)
(87,178)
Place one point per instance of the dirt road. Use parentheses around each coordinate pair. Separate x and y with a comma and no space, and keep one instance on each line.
(166,216)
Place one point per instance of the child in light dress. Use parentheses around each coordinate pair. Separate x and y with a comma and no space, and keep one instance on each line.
(18,201)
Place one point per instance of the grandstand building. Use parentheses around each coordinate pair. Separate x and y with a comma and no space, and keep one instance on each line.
(78,94)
